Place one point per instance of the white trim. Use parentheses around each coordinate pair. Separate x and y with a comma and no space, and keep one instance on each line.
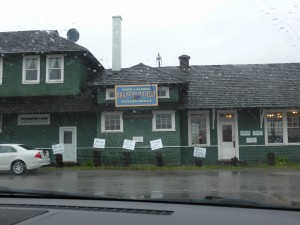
(166,89)
(284,125)
(62,69)
(75,139)
(24,81)
(1,69)
(172,112)
(206,113)
(236,133)
(28,116)
(103,114)
(107,93)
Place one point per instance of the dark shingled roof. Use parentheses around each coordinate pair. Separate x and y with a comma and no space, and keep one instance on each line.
(37,41)
(242,86)
(221,86)
(138,74)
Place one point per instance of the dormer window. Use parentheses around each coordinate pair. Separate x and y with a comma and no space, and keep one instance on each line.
(163,92)
(55,69)
(31,70)
(110,94)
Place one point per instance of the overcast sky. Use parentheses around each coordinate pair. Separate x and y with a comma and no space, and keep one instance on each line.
(209,31)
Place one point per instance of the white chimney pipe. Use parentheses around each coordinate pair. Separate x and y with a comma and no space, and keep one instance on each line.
(116,43)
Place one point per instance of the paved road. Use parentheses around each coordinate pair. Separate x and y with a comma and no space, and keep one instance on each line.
(269,186)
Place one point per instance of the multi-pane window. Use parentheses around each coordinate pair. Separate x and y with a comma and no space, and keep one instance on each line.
(163,121)
(111,122)
(55,69)
(31,69)
(110,94)
(163,92)
(198,128)
(275,127)
(293,127)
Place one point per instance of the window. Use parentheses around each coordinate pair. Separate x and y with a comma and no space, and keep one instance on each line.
(198,128)
(31,70)
(0,123)
(1,69)
(275,127)
(111,122)
(55,69)
(163,92)
(163,121)
(293,127)
(7,149)
(110,94)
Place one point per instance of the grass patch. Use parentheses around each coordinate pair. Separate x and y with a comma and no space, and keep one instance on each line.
(89,166)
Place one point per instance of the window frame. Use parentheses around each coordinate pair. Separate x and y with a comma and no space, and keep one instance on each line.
(24,70)
(173,126)
(167,89)
(284,125)
(107,92)
(1,69)
(52,81)
(206,113)
(103,130)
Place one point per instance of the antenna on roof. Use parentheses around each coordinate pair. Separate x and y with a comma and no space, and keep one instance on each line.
(73,35)
(159,60)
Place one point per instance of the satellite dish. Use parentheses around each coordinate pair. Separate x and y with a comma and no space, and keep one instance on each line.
(73,35)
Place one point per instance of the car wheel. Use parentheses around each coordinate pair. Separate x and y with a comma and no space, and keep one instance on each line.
(18,167)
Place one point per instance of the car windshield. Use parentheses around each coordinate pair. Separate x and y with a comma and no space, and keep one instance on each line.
(160,99)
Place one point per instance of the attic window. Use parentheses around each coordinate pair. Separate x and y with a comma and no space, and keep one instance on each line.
(110,94)
(163,92)
(55,69)
(31,70)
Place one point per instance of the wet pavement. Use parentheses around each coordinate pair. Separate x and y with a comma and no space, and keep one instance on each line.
(280,187)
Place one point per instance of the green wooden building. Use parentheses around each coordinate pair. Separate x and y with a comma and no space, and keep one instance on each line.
(43,99)
(55,91)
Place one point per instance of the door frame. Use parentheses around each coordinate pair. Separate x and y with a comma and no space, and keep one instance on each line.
(75,139)
(219,131)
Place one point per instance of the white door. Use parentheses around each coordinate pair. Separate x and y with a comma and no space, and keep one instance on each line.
(67,136)
(227,135)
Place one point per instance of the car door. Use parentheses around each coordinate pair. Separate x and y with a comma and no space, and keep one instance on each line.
(7,156)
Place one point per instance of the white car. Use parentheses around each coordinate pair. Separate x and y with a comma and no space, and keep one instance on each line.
(19,158)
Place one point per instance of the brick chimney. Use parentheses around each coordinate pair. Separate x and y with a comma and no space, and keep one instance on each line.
(184,62)
(116,43)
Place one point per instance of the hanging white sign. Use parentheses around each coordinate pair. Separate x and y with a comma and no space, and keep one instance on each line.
(200,152)
(156,144)
(58,148)
(129,144)
(99,143)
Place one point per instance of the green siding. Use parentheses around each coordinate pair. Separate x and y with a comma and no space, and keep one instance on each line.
(44,136)
(75,72)
(142,153)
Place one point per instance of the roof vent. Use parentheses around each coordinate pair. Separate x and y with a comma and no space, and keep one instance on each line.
(184,61)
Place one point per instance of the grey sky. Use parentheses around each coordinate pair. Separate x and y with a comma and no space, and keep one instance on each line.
(211,32)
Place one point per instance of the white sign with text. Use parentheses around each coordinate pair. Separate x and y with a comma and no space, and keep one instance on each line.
(99,143)
(156,144)
(129,144)
(58,148)
(200,152)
